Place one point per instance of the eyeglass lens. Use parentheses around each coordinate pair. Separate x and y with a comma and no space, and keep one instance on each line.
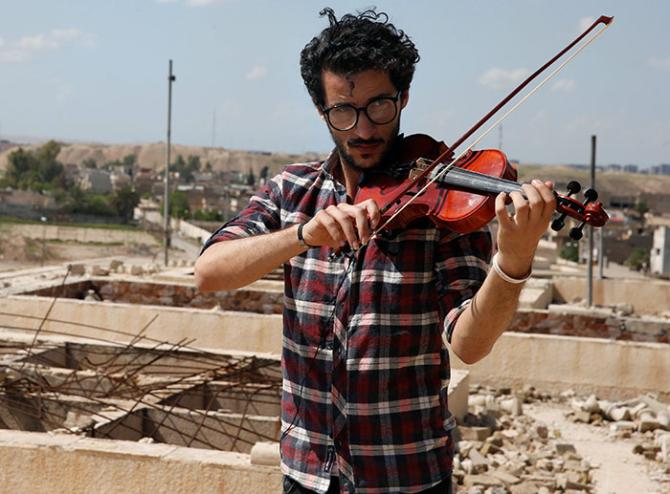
(380,111)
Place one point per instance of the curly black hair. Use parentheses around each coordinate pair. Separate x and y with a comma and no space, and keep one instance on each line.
(356,43)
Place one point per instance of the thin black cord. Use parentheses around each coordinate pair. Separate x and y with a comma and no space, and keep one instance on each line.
(322,342)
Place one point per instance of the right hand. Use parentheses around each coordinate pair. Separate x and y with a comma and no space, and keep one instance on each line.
(343,224)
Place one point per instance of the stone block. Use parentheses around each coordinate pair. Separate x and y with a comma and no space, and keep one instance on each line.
(564,448)
(581,416)
(619,414)
(77,269)
(474,433)
(623,426)
(99,271)
(507,478)
(115,264)
(524,487)
(457,393)
(664,442)
(647,422)
(484,480)
(512,406)
(265,453)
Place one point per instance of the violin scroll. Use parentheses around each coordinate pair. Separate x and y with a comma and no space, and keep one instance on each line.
(590,212)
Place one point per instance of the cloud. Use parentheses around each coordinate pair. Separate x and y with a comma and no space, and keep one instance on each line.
(564,85)
(257,72)
(498,78)
(659,63)
(25,47)
(585,23)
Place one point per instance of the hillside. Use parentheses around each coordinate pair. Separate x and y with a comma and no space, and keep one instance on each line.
(613,183)
(152,155)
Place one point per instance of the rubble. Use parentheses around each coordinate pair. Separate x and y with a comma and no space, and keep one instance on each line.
(644,419)
(501,450)
(642,414)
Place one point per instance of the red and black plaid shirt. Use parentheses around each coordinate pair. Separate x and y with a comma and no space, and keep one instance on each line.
(364,359)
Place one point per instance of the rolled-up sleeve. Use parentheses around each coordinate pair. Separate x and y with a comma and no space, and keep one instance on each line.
(461,266)
(261,215)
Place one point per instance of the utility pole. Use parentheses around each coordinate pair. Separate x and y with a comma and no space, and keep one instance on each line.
(591,231)
(166,195)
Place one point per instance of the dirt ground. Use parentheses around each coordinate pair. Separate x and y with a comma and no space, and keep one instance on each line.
(18,252)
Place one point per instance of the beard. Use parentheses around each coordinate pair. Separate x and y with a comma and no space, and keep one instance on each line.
(350,161)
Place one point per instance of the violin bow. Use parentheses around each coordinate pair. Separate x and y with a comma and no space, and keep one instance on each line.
(606,22)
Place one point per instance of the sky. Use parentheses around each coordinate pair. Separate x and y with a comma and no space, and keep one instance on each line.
(93,70)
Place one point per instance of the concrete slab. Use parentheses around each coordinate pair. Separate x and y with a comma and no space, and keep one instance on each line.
(33,462)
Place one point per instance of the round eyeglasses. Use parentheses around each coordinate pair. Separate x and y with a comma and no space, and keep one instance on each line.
(379,111)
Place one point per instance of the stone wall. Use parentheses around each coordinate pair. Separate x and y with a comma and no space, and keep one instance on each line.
(270,301)
(644,295)
(591,326)
(171,295)
(34,462)
(79,234)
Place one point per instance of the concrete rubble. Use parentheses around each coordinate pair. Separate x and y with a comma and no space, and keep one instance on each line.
(502,451)
(644,419)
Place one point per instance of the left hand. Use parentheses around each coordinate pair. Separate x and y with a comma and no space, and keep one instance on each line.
(520,233)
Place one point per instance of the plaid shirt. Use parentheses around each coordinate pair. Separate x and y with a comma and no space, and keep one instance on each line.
(365,365)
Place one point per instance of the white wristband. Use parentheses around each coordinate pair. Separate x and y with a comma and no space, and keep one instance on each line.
(505,276)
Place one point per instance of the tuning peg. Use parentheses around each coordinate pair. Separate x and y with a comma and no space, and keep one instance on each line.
(573,187)
(576,232)
(590,195)
(558,223)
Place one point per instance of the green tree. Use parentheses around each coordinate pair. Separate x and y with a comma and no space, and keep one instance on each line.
(570,251)
(638,259)
(36,170)
(124,201)
(19,166)
(207,215)
(179,207)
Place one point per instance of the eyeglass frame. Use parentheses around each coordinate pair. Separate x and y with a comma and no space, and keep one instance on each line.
(364,109)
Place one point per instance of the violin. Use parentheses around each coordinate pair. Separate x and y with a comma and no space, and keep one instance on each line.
(458,192)
(461,196)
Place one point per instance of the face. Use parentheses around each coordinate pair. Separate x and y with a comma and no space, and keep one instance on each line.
(367,144)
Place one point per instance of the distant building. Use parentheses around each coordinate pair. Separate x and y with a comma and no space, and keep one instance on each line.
(119,180)
(664,168)
(26,198)
(659,259)
(96,181)
(614,167)
(630,168)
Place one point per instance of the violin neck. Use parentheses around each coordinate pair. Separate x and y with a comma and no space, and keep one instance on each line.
(478,183)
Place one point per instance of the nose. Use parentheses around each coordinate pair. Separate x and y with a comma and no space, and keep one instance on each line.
(365,128)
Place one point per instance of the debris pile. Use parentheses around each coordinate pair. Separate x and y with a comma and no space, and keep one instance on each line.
(502,451)
(644,419)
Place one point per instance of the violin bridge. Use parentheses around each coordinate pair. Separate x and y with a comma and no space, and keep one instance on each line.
(420,165)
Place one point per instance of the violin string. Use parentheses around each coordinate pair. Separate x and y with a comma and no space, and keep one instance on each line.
(447,167)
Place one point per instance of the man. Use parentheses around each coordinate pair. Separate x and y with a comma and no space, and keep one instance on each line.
(366,368)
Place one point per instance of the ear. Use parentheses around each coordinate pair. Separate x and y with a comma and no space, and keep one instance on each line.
(404,99)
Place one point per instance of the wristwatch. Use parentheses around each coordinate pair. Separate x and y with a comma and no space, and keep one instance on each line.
(301,239)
